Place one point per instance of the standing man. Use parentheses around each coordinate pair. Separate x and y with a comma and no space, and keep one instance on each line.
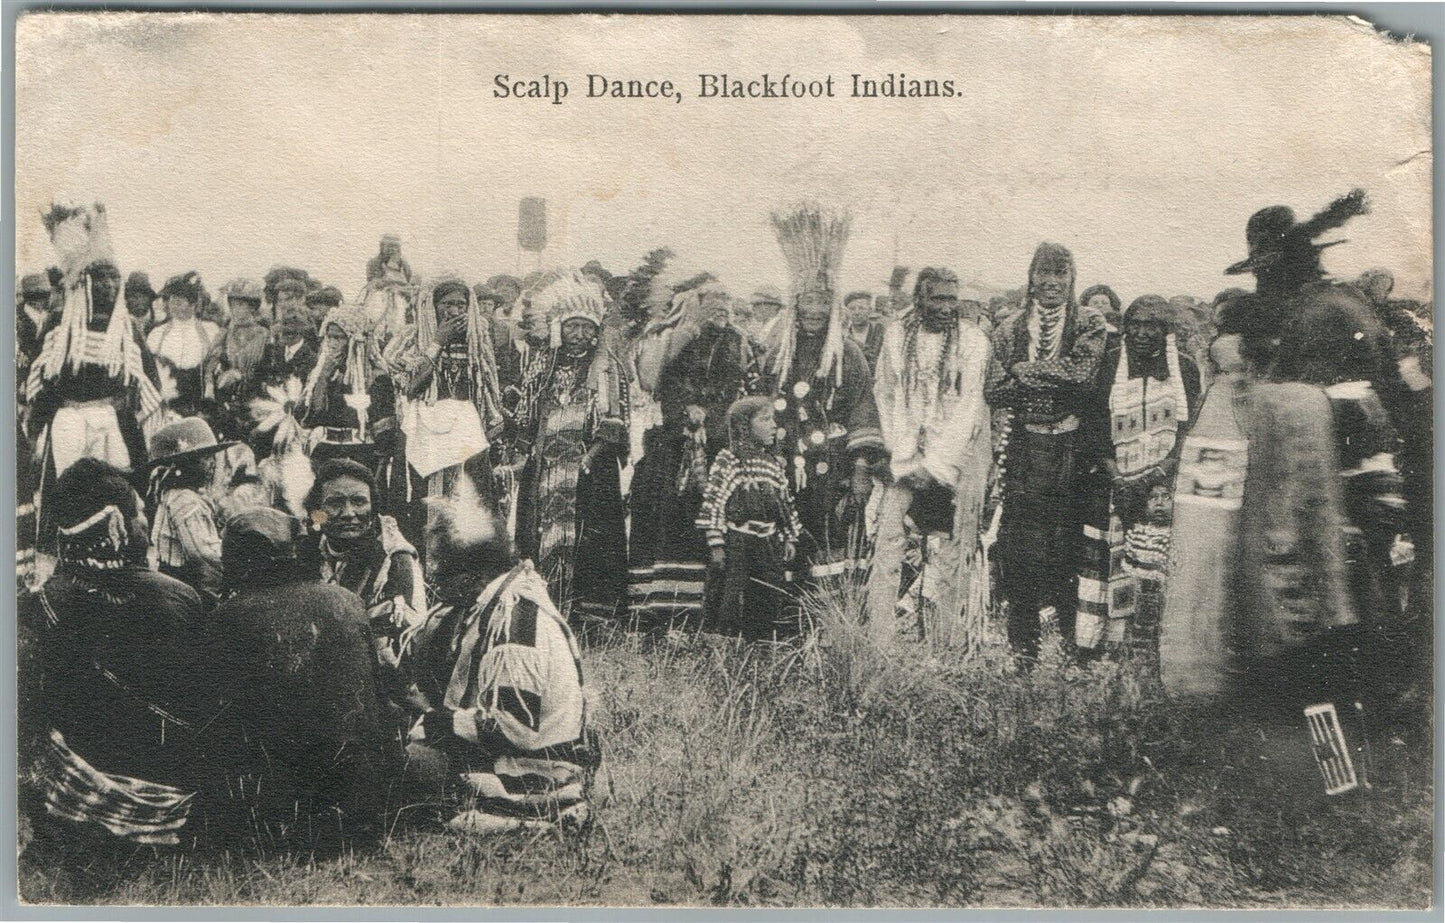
(388,265)
(695,363)
(865,327)
(286,288)
(452,402)
(140,301)
(1043,370)
(932,368)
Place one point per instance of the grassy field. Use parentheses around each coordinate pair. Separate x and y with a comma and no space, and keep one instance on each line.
(839,775)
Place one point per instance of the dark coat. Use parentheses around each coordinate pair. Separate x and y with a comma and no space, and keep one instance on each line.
(119,654)
(294,661)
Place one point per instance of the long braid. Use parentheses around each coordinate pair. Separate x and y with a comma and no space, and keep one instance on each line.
(948,362)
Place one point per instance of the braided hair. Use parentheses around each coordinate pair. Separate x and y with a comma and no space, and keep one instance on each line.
(949,356)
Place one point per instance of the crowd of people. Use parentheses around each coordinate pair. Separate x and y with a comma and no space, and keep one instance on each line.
(287,553)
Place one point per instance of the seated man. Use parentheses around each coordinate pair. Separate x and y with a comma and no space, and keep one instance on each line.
(502,673)
(117,648)
(362,550)
(293,661)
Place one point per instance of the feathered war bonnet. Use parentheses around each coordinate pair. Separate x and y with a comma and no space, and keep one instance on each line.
(812,239)
(570,295)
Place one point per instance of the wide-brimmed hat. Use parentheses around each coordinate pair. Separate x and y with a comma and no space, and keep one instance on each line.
(1273,233)
(1264,235)
(34,285)
(190,437)
(187,285)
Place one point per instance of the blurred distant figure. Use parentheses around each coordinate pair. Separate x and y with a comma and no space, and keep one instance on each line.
(1102,299)
(388,264)
(508,289)
(865,327)
(140,301)
(322,302)
(767,302)
(32,321)
(182,342)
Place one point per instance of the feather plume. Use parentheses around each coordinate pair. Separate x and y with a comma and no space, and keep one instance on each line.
(81,237)
(1351,204)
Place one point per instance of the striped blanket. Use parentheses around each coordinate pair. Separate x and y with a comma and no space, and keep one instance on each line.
(142,812)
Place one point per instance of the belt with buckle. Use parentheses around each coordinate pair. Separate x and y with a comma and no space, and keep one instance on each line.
(1066,425)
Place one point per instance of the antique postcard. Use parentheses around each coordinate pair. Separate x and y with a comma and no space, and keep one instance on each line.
(744,460)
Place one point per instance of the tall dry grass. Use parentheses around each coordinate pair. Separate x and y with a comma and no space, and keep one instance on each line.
(831,771)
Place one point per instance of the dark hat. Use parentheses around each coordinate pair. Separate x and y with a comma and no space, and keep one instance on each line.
(34,285)
(328,297)
(138,283)
(187,285)
(1273,233)
(287,278)
(190,437)
(1264,235)
(259,541)
(442,289)
(1101,289)
(854,296)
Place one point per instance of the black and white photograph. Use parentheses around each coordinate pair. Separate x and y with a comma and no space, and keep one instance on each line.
(825,460)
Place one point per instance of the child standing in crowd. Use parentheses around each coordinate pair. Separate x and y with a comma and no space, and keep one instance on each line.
(1146,559)
(752,528)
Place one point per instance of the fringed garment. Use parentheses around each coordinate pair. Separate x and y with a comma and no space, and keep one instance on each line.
(830,420)
(1142,410)
(667,556)
(571,522)
(930,394)
(506,670)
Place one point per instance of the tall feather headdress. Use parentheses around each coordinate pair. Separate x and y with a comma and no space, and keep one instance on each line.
(81,237)
(812,239)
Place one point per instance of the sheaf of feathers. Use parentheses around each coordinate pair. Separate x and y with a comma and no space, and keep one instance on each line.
(80,235)
(1351,204)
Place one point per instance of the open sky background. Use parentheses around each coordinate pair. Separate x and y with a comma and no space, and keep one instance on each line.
(231,143)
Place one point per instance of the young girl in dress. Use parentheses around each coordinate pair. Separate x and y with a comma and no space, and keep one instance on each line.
(1146,559)
(752,529)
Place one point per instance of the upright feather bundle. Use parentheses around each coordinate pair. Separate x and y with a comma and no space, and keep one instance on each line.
(812,239)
